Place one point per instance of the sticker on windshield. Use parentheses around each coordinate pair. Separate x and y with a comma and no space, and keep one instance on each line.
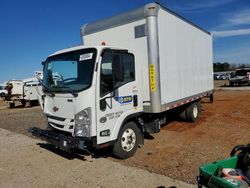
(87,56)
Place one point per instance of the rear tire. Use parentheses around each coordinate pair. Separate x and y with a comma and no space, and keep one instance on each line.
(12,105)
(23,102)
(127,142)
(182,114)
(211,98)
(27,104)
(192,112)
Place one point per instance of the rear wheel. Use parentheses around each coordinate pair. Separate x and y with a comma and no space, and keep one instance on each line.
(26,103)
(12,105)
(192,112)
(23,102)
(211,98)
(127,142)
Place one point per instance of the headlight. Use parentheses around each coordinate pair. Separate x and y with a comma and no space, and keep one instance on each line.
(83,123)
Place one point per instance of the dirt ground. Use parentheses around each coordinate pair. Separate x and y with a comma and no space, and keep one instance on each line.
(180,148)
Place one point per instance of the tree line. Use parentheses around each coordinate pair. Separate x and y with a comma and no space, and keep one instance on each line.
(221,67)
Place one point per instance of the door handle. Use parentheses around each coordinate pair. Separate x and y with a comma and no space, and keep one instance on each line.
(135,100)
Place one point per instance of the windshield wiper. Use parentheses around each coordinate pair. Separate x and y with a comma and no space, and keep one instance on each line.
(70,91)
(73,93)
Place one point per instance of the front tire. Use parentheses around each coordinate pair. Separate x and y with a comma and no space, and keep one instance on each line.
(127,142)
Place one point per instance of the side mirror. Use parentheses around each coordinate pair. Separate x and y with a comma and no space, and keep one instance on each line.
(118,69)
(43,63)
(103,104)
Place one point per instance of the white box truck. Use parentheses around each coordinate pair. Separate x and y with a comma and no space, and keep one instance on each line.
(22,91)
(119,85)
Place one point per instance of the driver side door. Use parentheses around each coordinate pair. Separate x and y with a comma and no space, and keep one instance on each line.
(116,95)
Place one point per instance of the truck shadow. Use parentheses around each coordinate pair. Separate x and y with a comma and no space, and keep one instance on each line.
(68,155)
(78,154)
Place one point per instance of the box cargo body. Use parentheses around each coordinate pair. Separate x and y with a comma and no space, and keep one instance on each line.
(31,90)
(182,49)
(17,87)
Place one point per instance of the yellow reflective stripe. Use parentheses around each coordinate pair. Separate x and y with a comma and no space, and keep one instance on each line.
(152,78)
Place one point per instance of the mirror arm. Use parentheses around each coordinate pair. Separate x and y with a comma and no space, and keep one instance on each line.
(109,97)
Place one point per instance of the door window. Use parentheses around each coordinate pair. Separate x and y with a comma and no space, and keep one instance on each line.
(129,69)
(107,79)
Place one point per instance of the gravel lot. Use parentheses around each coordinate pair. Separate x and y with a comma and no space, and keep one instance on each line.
(23,164)
(180,148)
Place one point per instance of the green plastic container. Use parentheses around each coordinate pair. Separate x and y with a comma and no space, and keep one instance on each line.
(210,176)
(208,173)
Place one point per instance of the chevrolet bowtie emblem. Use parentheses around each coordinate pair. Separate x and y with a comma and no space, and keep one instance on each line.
(55,109)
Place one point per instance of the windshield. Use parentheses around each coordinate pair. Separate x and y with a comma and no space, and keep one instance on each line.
(69,72)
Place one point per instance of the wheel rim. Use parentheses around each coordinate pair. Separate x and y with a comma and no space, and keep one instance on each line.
(195,111)
(128,140)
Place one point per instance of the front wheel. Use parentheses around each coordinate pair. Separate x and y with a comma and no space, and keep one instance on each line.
(127,142)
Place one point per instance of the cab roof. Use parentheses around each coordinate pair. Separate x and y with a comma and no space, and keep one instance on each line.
(80,47)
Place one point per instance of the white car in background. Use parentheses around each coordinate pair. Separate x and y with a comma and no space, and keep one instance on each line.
(3,92)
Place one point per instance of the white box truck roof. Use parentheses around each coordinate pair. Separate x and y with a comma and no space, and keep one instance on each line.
(177,51)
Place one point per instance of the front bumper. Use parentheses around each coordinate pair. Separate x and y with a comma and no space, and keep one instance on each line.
(59,140)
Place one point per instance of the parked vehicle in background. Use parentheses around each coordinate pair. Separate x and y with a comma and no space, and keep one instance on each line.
(216,76)
(3,91)
(222,75)
(225,76)
(240,77)
(118,86)
(22,91)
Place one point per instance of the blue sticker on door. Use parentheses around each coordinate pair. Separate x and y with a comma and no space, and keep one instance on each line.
(125,99)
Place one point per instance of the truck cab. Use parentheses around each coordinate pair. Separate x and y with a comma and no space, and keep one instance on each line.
(89,92)
(239,77)
(3,91)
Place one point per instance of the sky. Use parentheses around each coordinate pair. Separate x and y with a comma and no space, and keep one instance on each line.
(30,30)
